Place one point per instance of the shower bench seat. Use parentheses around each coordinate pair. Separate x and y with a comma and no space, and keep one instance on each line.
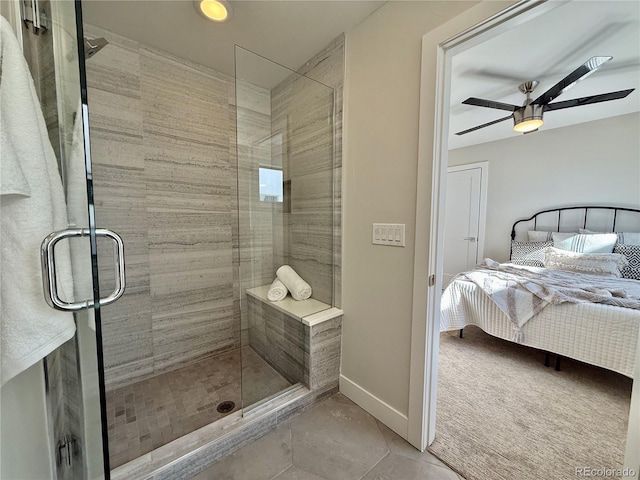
(299,338)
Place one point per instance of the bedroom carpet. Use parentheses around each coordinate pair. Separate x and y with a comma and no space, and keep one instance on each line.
(502,415)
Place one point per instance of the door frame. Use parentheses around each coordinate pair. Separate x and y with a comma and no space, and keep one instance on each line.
(433,158)
(430,198)
(484,185)
(632,448)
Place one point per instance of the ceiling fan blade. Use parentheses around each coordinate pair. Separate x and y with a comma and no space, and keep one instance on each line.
(479,102)
(576,102)
(485,125)
(580,73)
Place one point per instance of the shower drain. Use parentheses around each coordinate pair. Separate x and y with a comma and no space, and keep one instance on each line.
(226,406)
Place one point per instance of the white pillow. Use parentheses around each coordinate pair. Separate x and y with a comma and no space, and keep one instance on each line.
(624,238)
(607,264)
(629,238)
(539,236)
(585,242)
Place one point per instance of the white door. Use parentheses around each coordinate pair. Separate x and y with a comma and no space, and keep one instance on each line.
(464,219)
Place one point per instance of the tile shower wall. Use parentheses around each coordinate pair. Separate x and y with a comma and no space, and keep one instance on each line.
(313,164)
(287,128)
(163,150)
(163,134)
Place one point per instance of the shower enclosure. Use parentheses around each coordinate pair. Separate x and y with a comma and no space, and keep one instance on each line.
(212,181)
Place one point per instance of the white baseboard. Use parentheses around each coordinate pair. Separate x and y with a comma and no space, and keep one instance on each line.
(384,412)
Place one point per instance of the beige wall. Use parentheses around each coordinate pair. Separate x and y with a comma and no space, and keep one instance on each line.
(382,96)
(594,163)
(381,147)
(24,441)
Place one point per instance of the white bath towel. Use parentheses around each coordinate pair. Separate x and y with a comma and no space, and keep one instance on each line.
(300,290)
(31,206)
(277,291)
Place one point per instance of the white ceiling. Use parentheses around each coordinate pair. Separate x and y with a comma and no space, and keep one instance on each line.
(547,49)
(290,32)
(286,32)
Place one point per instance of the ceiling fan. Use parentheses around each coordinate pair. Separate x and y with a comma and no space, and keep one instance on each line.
(528,117)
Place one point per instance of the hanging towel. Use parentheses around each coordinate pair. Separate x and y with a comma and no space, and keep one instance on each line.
(277,291)
(31,206)
(300,290)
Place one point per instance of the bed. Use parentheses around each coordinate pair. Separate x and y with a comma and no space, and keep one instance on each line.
(603,332)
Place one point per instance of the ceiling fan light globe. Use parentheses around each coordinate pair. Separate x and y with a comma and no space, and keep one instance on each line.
(528,118)
(528,125)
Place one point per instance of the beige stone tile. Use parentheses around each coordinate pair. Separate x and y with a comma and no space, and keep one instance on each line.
(261,460)
(182,101)
(313,193)
(259,379)
(187,337)
(150,413)
(251,97)
(396,466)
(295,473)
(114,112)
(399,445)
(254,130)
(115,149)
(327,66)
(340,431)
(127,326)
(325,342)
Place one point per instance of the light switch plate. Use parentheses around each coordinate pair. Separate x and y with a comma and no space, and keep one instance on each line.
(388,234)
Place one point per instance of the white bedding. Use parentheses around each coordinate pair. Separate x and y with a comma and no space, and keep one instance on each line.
(598,334)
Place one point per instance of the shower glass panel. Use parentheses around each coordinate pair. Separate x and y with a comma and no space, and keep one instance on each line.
(285,156)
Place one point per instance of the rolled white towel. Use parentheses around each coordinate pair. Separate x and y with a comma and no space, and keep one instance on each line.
(277,291)
(300,290)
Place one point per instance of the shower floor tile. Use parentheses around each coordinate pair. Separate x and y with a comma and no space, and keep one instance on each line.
(153,412)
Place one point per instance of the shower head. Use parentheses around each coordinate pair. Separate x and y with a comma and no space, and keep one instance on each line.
(92,46)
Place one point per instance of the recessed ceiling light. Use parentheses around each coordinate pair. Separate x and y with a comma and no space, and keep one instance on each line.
(215,10)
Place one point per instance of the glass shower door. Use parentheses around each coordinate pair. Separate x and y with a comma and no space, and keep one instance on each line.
(81,449)
(71,386)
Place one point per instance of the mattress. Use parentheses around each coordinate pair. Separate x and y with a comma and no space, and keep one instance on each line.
(598,334)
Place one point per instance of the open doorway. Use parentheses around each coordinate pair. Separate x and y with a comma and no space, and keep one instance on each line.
(552,191)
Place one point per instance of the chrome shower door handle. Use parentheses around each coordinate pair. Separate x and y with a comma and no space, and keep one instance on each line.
(48,263)
(119,260)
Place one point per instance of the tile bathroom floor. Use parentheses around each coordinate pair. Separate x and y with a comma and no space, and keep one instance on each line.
(333,440)
(146,415)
